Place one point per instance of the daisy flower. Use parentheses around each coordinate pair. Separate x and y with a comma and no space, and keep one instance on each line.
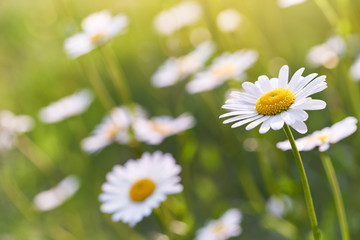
(185,13)
(113,128)
(355,69)
(97,29)
(327,54)
(11,126)
(226,227)
(66,107)
(153,131)
(225,67)
(289,3)
(175,69)
(133,190)
(53,198)
(228,20)
(324,137)
(273,102)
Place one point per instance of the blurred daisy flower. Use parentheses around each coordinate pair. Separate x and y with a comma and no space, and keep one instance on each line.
(133,190)
(177,17)
(11,126)
(97,29)
(324,137)
(355,69)
(53,198)
(273,102)
(288,3)
(153,131)
(227,66)
(226,227)
(175,69)
(327,54)
(228,20)
(113,128)
(66,107)
(278,206)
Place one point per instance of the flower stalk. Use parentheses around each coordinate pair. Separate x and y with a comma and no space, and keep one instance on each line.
(305,184)
(339,204)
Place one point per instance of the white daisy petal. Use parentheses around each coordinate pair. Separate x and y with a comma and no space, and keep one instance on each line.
(257,122)
(299,126)
(283,76)
(276,122)
(312,104)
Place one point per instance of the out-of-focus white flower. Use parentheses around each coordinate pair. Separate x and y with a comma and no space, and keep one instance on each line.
(113,128)
(278,206)
(288,3)
(97,29)
(153,131)
(323,138)
(175,69)
(273,102)
(181,15)
(66,107)
(228,20)
(225,67)
(53,198)
(133,190)
(327,54)
(226,227)
(11,126)
(355,69)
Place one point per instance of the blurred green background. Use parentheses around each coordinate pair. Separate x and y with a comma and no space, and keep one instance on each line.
(220,171)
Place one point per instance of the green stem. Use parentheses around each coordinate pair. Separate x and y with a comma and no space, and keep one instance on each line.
(328,11)
(305,184)
(330,173)
(116,74)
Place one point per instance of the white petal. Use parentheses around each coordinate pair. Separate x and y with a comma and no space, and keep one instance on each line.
(276,122)
(265,126)
(238,124)
(283,76)
(257,122)
(300,127)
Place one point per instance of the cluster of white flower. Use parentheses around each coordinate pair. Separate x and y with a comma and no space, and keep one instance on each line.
(177,17)
(115,128)
(225,67)
(11,126)
(327,54)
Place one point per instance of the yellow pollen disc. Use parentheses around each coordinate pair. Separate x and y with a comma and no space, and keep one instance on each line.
(275,102)
(142,189)
(323,138)
(219,229)
(223,70)
(113,131)
(161,128)
(97,37)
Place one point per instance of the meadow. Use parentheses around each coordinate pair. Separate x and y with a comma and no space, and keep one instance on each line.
(159,59)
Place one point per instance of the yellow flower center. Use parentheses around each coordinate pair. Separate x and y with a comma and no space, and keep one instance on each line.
(161,128)
(275,102)
(188,64)
(112,131)
(223,70)
(142,189)
(323,138)
(97,37)
(219,229)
